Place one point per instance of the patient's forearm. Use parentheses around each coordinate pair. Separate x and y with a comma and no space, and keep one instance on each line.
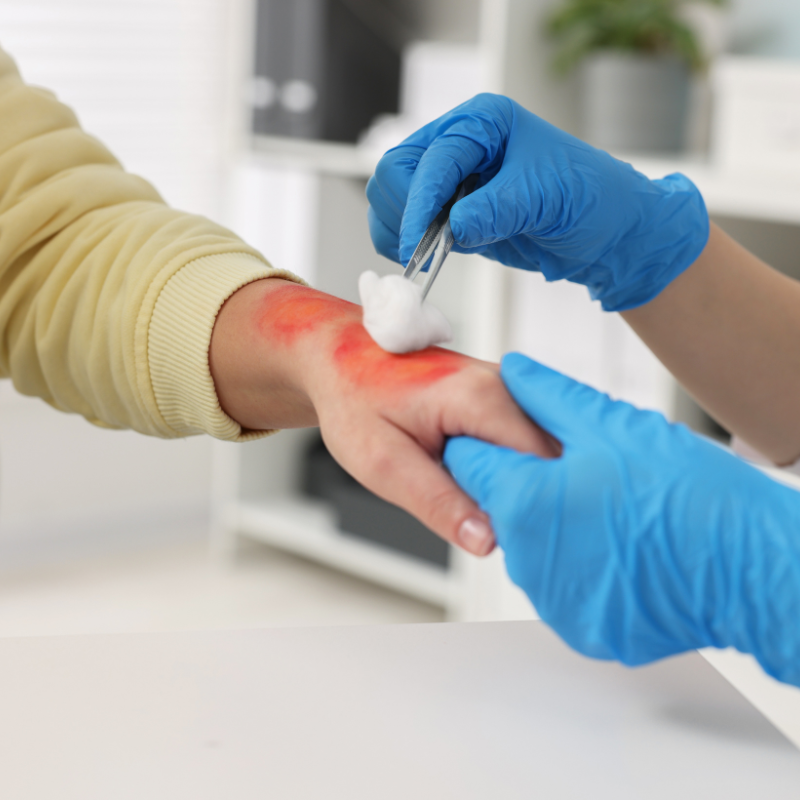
(729,330)
(261,378)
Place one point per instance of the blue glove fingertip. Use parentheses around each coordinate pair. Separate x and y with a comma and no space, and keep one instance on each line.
(470,462)
(385,240)
(485,470)
(552,400)
(518,364)
(523,376)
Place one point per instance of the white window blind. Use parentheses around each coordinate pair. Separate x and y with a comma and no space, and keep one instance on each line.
(147,77)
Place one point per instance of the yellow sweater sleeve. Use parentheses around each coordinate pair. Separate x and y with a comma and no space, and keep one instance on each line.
(107,296)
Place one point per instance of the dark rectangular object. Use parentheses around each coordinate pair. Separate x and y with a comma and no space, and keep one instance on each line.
(366,516)
(324,69)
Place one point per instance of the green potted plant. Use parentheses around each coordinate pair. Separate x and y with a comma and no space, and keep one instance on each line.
(636,58)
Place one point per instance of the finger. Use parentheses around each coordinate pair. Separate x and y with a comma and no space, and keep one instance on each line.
(471,143)
(387,189)
(496,418)
(517,252)
(471,251)
(525,252)
(569,410)
(385,241)
(503,482)
(404,474)
(475,466)
(446,163)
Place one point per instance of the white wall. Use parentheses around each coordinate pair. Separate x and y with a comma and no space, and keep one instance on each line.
(766,27)
(151,79)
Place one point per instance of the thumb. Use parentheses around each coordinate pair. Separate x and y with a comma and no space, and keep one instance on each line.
(504,483)
(483,470)
(567,409)
(474,465)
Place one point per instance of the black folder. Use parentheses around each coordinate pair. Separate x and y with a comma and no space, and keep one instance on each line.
(325,69)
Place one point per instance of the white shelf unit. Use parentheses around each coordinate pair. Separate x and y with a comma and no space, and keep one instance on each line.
(494,310)
(330,158)
(310,529)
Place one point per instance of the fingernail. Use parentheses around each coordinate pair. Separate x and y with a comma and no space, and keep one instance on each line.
(476,536)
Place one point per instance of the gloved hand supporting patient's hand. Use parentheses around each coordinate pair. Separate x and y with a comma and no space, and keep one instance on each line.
(545,201)
(642,540)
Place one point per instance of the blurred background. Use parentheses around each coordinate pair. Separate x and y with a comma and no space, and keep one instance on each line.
(269,116)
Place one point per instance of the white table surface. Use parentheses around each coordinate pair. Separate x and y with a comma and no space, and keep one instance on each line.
(491,710)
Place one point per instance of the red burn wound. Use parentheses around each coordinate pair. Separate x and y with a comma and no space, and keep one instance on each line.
(293,311)
(367,364)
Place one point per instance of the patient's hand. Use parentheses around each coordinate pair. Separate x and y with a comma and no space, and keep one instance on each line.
(283,355)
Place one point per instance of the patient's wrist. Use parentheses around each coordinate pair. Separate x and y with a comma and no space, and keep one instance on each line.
(260,379)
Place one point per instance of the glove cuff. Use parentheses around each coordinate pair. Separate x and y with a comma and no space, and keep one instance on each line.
(675,208)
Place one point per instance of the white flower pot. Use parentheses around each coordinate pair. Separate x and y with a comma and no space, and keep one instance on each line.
(635,103)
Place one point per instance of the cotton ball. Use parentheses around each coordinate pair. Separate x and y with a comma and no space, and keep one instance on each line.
(396,317)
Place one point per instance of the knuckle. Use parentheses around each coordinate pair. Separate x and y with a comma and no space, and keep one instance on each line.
(380,463)
(475,394)
(484,383)
(400,159)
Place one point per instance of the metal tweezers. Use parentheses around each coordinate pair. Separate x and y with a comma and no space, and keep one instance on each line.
(437,242)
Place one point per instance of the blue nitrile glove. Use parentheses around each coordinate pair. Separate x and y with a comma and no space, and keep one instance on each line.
(545,201)
(642,540)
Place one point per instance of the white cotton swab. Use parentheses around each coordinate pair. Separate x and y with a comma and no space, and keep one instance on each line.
(396,316)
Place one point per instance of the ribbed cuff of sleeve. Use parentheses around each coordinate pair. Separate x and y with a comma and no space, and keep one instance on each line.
(180,337)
